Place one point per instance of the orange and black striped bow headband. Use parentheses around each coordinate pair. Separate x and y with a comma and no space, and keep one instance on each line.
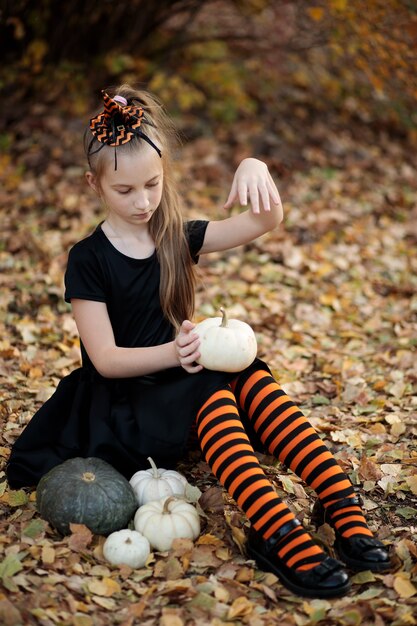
(118,123)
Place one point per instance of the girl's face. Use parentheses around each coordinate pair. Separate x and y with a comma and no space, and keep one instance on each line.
(131,193)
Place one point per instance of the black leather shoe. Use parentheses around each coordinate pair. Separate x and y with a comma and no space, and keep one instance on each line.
(326,580)
(359,552)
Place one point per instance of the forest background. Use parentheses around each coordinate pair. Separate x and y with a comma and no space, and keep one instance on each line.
(325,93)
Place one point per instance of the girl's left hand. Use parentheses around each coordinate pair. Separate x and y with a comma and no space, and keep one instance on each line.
(252,179)
(186,346)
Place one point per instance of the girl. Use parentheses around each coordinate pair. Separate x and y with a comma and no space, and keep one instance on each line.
(139,390)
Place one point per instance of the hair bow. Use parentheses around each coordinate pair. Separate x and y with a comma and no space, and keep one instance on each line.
(118,123)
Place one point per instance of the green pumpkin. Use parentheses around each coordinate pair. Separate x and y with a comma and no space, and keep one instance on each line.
(86,491)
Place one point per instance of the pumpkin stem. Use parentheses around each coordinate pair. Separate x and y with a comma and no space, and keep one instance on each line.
(88,477)
(168,502)
(155,469)
(224,318)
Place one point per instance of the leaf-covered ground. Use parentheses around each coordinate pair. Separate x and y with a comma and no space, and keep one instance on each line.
(332,296)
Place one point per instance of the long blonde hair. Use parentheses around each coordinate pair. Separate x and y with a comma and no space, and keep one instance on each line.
(166,227)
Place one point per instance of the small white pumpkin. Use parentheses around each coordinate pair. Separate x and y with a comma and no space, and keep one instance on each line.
(162,521)
(157,483)
(126,547)
(225,345)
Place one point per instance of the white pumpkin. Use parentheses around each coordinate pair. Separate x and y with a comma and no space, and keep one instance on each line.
(162,521)
(126,547)
(157,483)
(225,345)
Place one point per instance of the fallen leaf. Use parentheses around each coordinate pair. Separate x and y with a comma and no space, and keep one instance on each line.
(105,587)
(391,469)
(83,620)
(368,470)
(204,556)
(107,603)
(403,586)
(412,483)
(15,498)
(168,619)
(240,607)
(212,500)
(209,539)
(11,565)
(408,512)
(316,610)
(170,569)
(363,577)
(48,554)
(80,537)
(192,493)
(9,614)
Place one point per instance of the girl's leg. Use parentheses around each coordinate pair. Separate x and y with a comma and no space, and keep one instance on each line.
(230,454)
(288,435)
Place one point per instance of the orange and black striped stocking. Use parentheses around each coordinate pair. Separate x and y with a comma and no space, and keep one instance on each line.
(289,436)
(230,454)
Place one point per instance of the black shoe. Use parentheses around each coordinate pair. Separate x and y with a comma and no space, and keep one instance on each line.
(326,580)
(359,552)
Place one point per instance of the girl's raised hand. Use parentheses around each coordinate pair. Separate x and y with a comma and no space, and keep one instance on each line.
(252,179)
(186,346)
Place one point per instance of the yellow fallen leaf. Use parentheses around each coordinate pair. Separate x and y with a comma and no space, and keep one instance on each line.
(244,574)
(221,594)
(330,300)
(316,13)
(48,555)
(324,269)
(312,607)
(239,538)
(106,603)
(105,587)
(35,372)
(366,576)
(392,418)
(14,498)
(403,586)
(398,429)
(270,579)
(240,607)
(412,483)
(209,539)
(169,619)
(223,553)
(83,620)
(377,429)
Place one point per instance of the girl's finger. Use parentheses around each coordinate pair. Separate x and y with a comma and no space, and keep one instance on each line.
(263,191)
(243,193)
(232,196)
(188,348)
(254,196)
(187,325)
(191,358)
(273,190)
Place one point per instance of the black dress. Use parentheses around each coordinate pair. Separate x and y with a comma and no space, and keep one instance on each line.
(122,421)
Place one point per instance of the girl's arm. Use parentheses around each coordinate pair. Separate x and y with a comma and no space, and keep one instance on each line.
(111,361)
(252,179)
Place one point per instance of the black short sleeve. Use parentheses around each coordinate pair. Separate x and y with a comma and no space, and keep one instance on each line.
(195,231)
(84,277)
